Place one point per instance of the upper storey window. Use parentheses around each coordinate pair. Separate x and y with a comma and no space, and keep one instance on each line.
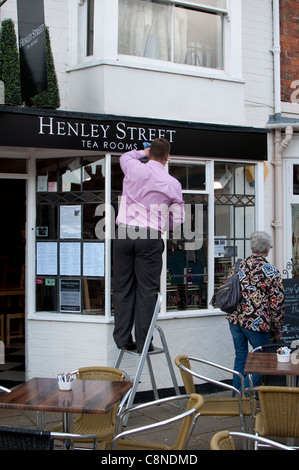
(184,32)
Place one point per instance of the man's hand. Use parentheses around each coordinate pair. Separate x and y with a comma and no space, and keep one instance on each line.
(146,151)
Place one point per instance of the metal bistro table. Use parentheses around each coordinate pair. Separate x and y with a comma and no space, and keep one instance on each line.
(266,364)
(86,396)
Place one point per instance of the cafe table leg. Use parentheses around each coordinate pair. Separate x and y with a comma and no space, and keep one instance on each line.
(40,420)
(291,380)
(67,420)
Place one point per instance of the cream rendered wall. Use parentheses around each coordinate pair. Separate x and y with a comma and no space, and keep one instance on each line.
(257,39)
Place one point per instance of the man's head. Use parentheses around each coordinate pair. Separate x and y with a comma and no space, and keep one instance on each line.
(159,150)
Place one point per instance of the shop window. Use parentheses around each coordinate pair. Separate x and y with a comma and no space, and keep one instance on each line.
(296,179)
(69,248)
(182,32)
(294,265)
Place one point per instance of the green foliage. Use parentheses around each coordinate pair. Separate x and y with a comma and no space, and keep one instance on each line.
(11,76)
(49,98)
(10,64)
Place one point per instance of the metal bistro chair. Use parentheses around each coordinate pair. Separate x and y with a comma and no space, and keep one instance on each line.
(224,440)
(33,439)
(101,425)
(231,406)
(123,441)
(279,415)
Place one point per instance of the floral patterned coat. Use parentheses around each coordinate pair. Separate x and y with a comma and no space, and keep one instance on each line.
(261,307)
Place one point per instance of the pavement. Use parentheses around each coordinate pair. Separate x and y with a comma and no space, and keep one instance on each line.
(205,427)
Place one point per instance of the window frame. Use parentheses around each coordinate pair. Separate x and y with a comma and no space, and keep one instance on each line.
(106,45)
(108,315)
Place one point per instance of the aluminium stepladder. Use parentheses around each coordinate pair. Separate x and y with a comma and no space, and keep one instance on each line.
(145,356)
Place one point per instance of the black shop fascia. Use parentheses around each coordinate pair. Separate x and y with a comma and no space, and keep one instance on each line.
(49,129)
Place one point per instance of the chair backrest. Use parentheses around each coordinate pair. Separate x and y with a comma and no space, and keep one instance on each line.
(100,373)
(222,440)
(188,381)
(25,439)
(280,411)
(195,401)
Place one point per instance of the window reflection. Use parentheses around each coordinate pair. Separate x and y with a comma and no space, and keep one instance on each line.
(190,176)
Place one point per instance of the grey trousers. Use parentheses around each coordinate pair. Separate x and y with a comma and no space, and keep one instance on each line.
(137,266)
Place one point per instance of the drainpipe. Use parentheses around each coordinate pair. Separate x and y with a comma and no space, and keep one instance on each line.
(276,53)
(280,146)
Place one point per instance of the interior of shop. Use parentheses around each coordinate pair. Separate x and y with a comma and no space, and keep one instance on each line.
(12,281)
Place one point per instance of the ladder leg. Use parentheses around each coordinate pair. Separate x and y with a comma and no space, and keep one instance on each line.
(170,366)
(119,358)
(152,377)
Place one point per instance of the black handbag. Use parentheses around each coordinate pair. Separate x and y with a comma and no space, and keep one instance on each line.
(229,294)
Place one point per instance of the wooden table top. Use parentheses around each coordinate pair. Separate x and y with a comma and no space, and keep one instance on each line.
(267,364)
(86,396)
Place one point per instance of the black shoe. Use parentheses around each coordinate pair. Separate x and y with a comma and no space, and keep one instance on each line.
(151,348)
(131,346)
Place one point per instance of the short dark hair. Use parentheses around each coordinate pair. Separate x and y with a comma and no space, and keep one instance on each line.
(159,149)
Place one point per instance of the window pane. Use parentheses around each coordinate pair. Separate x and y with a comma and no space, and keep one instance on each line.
(187,258)
(90,28)
(93,174)
(70,174)
(295,240)
(234,215)
(296,179)
(190,176)
(94,296)
(199,36)
(144,29)
(46,171)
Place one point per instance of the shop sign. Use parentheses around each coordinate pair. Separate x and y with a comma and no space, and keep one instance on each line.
(32,47)
(114,134)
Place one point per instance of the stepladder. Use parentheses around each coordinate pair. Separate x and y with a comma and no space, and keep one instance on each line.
(145,357)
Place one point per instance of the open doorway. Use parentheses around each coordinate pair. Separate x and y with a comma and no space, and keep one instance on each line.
(12,280)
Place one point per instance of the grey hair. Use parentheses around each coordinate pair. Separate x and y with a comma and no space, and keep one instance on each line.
(260,242)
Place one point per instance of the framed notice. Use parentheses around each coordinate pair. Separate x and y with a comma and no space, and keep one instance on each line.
(70,259)
(46,258)
(70,222)
(70,295)
(94,259)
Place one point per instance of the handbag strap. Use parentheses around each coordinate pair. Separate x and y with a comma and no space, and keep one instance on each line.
(237,265)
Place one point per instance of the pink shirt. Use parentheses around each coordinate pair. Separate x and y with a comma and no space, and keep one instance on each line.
(150,195)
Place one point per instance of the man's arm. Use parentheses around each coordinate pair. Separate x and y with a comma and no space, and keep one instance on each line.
(132,156)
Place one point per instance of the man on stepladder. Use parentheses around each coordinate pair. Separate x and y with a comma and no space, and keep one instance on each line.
(151,202)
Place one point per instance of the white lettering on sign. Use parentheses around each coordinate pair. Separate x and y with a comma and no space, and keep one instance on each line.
(112,135)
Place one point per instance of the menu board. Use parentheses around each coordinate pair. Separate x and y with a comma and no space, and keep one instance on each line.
(291,318)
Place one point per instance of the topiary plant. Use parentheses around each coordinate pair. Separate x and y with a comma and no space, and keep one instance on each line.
(10,63)
(49,98)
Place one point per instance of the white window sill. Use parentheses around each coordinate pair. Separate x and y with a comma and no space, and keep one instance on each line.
(158,66)
(79,318)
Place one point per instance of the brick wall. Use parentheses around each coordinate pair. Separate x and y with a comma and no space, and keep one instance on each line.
(289,39)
